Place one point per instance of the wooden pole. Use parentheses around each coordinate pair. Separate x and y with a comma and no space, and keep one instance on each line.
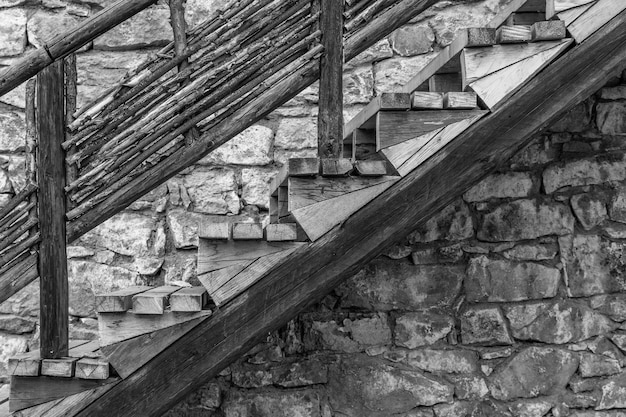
(68,42)
(330,115)
(51,176)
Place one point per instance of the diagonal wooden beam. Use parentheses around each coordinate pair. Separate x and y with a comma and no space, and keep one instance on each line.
(309,273)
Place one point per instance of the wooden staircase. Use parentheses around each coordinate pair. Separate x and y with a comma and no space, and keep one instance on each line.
(406,155)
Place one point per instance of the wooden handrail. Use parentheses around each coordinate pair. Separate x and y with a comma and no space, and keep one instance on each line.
(68,42)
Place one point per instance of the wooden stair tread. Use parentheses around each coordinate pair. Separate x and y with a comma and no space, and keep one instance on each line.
(118,301)
(153,301)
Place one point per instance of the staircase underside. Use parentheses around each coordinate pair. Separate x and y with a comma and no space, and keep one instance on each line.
(313,270)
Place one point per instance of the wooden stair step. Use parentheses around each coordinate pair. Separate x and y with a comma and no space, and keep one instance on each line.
(592,18)
(454,100)
(226,268)
(548,31)
(153,301)
(92,368)
(336,167)
(514,34)
(477,37)
(247,231)
(281,232)
(426,100)
(30,364)
(214,230)
(365,119)
(295,167)
(118,301)
(61,367)
(191,299)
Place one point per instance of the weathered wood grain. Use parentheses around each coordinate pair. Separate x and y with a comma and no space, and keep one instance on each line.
(214,230)
(442,83)
(318,219)
(594,18)
(570,15)
(525,19)
(26,364)
(153,301)
(336,167)
(547,31)
(119,300)
(366,118)
(117,327)
(330,114)
(477,63)
(58,367)
(190,299)
(514,34)
(92,368)
(477,37)
(247,231)
(31,391)
(396,127)
(54,293)
(496,88)
(281,232)
(460,101)
(562,5)
(371,168)
(421,100)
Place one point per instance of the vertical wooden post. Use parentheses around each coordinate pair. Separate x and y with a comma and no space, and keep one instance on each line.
(71,93)
(53,317)
(330,116)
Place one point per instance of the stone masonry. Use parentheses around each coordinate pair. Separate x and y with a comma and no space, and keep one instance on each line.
(512,302)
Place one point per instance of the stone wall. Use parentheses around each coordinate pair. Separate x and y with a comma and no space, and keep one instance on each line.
(512,302)
(525,268)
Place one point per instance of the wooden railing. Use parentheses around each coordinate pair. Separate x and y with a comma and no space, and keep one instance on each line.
(198,92)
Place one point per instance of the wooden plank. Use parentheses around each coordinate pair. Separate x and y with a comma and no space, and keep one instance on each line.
(211,252)
(306,276)
(247,231)
(153,301)
(421,100)
(535,6)
(479,62)
(525,19)
(396,127)
(477,37)
(547,31)
(273,211)
(496,88)
(31,391)
(514,34)
(398,154)
(54,293)
(318,219)
(92,368)
(117,327)
(119,300)
(336,167)
(430,145)
(65,43)
(18,277)
(568,16)
(385,101)
(129,355)
(442,83)
(58,367)
(27,364)
(190,299)
(303,193)
(214,230)
(281,232)
(252,274)
(460,101)
(371,168)
(303,167)
(594,18)
(89,349)
(563,5)
(66,406)
(215,279)
(330,115)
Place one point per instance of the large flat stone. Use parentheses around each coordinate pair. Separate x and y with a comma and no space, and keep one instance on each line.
(12,131)
(358,85)
(150,27)
(388,285)
(613,393)
(501,280)
(584,172)
(457,361)
(533,372)
(213,191)
(589,210)
(392,74)
(617,206)
(611,118)
(558,323)
(351,335)
(507,185)
(412,40)
(455,222)
(183,227)
(250,147)
(377,52)
(525,219)
(367,387)
(256,189)
(301,403)
(12,32)
(43,25)
(296,133)
(421,329)
(484,325)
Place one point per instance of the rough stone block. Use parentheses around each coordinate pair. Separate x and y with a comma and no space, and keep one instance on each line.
(388,285)
(250,147)
(453,223)
(12,32)
(43,25)
(150,27)
(612,305)
(584,172)
(611,118)
(617,207)
(12,131)
(296,133)
(613,393)
(443,361)
(613,93)
(392,74)
(300,374)
(11,346)
(272,404)
(421,329)
(213,191)
(526,219)
(532,252)
(183,226)
(484,325)
(378,52)
(362,386)
(558,323)
(589,210)
(508,185)
(576,120)
(534,371)
(597,365)
(358,85)
(256,189)
(469,387)
(412,40)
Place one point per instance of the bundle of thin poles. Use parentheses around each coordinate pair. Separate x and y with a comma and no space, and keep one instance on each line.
(234,59)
